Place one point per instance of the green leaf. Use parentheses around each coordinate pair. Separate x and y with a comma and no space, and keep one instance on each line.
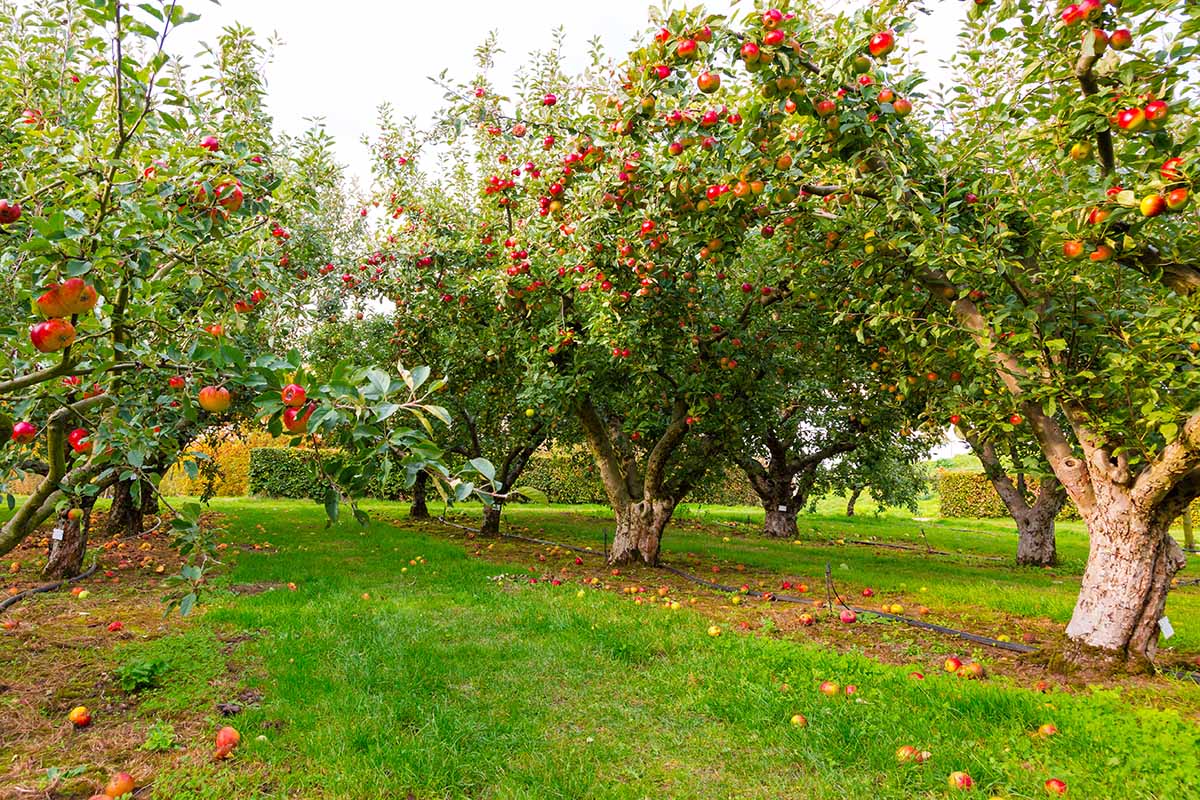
(484,468)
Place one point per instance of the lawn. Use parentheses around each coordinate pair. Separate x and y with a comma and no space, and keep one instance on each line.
(399,666)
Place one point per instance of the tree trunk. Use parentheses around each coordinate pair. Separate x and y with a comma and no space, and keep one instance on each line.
(1131,561)
(418,509)
(127,515)
(1189,539)
(491,520)
(640,526)
(66,555)
(854,495)
(1035,541)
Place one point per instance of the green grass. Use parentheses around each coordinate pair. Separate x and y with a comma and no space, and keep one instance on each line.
(448,684)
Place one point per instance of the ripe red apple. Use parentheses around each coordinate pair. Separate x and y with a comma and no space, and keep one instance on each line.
(549,99)
(868,592)
(750,52)
(1091,8)
(806,619)
(902,107)
(799,720)
(24,432)
(687,48)
(1072,249)
(1156,112)
(52,335)
(176,382)
(228,737)
(829,689)
(1054,786)
(72,296)
(114,627)
(1015,419)
(847,616)
(882,43)
(1047,730)
(9,212)
(80,717)
(210,143)
(1101,42)
(295,420)
(917,676)
(229,195)
(119,785)
(293,396)
(851,689)
(955,419)
(708,82)
(906,754)
(1171,170)
(1102,253)
(1121,39)
(1131,120)
(952,664)
(214,399)
(1072,15)
(960,780)
(1177,199)
(78,439)
(1152,205)
(886,96)
(825,107)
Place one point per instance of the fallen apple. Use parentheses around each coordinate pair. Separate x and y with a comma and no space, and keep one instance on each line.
(119,785)
(960,780)
(80,717)
(799,720)
(829,689)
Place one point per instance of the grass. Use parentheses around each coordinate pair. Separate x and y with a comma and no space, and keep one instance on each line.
(443,682)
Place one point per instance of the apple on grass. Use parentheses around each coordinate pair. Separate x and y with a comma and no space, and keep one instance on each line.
(829,689)
(80,717)
(1056,787)
(799,720)
(119,785)
(952,664)
(961,781)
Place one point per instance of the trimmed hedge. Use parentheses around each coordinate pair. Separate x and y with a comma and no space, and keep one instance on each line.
(289,472)
(232,454)
(971,494)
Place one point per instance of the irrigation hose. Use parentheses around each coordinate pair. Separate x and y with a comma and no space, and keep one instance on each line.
(48,587)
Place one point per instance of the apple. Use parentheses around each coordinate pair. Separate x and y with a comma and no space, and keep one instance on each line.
(229,195)
(955,419)
(228,737)
(1047,730)
(114,627)
(72,296)
(9,212)
(952,664)
(960,780)
(806,619)
(896,608)
(1090,8)
(1101,41)
(886,96)
(1055,786)
(847,616)
(825,107)
(176,382)
(24,432)
(1156,112)
(1152,205)
(851,689)
(75,514)
(868,592)
(214,399)
(1015,419)
(119,784)
(799,721)
(1102,253)
(750,52)
(829,689)
(902,107)
(293,396)
(1177,199)
(1171,169)
(1081,151)
(52,335)
(210,143)
(687,49)
(917,676)
(714,630)
(549,99)
(1121,39)
(1131,120)
(1072,249)
(882,43)
(972,671)
(295,420)
(906,754)
(80,717)
(708,82)
(78,439)
(1072,15)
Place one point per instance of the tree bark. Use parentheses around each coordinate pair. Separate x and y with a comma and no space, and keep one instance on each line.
(491,520)
(126,516)
(1189,539)
(66,555)
(781,524)
(854,495)
(640,527)
(1131,562)
(1036,546)
(419,509)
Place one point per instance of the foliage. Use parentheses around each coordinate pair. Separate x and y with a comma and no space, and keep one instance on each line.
(229,451)
(288,472)
(160,738)
(971,494)
(137,676)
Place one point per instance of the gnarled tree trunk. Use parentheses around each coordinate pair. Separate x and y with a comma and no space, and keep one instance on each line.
(854,495)
(66,554)
(127,515)
(640,526)
(1036,545)
(419,509)
(491,519)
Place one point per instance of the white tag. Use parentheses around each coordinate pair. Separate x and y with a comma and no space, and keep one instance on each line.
(57,534)
(1164,625)
(783,508)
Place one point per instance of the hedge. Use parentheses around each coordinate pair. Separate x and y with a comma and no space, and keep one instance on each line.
(971,494)
(231,451)
(289,472)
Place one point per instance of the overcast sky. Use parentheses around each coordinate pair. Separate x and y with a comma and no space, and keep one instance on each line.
(340,60)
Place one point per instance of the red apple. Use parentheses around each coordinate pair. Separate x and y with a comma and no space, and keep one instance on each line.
(9,212)
(1072,249)
(1171,170)
(906,754)
(1177,199)
(176,382)
(1121,39)
(1101,43)
(214,399)
(829,688)
(847,616)
(1072,15)
(825,107)
(24,432)
(210,143)
(1047,730)
(229,195)
(293,396)
(806,619)
(952,664)
(228,737)
(868,592)
(119,785)
(1152,205)
(52,335)
(78,439)
(80,717)
(1054,786)
(1015,419)
(708,82)
(1131,120)
(902,107)
(687,48)
(961,781)
(295,420)
(882,43)
(549,99)
(1156,112)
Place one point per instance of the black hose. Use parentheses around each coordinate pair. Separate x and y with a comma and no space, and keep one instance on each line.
(48,587)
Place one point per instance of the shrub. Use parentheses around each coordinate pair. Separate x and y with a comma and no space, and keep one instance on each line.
(288,472)
(231,451)
(138,675)
(971,494)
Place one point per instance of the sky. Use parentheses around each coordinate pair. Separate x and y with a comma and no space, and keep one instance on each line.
(339,61)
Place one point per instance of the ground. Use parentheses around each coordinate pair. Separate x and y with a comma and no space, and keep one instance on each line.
(417,660)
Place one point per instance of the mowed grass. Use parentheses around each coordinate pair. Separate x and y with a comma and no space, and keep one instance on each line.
(445,683)
(980,571)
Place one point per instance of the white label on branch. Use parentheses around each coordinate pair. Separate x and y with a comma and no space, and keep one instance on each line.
(783,508)
(57,534)
(1167,629)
